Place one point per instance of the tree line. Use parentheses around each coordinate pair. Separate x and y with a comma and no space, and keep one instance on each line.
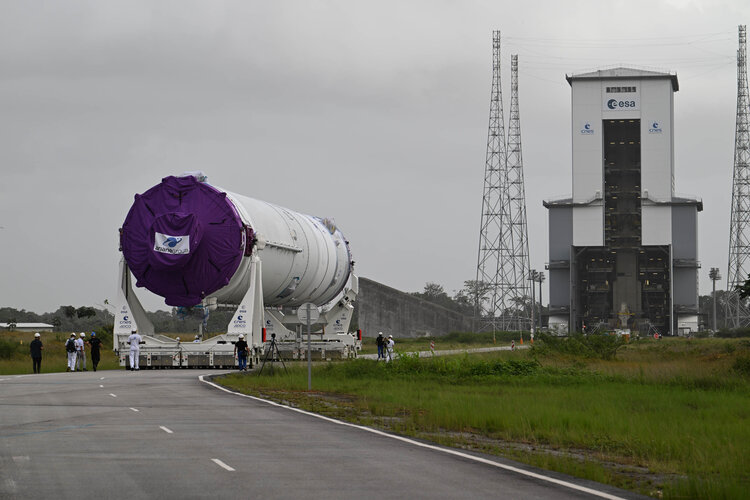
(87,319)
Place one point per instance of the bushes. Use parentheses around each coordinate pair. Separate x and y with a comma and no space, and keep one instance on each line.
(733,333)
(8,349)
(742,365)
(462,367)
(590,346)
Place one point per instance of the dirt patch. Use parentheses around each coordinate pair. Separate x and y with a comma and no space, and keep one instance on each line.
(641,477)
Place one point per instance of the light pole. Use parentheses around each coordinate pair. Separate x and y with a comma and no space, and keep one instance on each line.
(715,276)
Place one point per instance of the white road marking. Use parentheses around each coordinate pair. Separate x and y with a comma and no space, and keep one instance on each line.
(113,395)
(166,430)
(21,458)
(449,451)
(10,485)
(222,464)
(100,385)
(101,378)
(135,409)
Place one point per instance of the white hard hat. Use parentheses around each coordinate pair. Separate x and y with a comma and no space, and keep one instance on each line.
(177,339)
(83,334)
(37,334)
(242,336)
(197,337)
(73,334)
(390,336)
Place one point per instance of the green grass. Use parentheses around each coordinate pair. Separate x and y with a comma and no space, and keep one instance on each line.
(668,417)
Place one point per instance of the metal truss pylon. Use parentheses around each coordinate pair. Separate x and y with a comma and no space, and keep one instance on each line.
(738,314)
(503,260)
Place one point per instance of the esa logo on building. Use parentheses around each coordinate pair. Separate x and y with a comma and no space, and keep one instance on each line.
(655,128)
(587,130)
(615,104)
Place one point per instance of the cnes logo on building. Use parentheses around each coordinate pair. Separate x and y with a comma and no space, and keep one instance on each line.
(655,128)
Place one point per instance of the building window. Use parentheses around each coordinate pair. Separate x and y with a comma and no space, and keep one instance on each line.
(617,90)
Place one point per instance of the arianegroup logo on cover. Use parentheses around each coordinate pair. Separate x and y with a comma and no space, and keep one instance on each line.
(175,245)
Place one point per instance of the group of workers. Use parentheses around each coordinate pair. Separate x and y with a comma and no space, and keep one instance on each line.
(75,347)
(76,350)
(385,347)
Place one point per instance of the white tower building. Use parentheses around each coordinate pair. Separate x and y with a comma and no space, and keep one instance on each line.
(623,249)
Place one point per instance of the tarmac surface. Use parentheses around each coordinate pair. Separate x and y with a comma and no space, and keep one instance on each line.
(167,434)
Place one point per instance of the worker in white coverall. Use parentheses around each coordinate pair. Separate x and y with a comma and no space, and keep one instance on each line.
(70,348)
(135,349)
(81,353)
(389,346)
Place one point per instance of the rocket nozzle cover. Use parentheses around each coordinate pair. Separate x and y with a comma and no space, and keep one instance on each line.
(183,240)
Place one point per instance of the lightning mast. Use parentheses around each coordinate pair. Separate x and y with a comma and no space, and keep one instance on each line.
(739,231)
(517,279)
(503,260)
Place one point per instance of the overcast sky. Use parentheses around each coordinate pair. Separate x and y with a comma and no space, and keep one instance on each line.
(373,113)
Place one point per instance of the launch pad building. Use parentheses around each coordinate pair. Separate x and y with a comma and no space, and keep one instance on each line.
(623,249)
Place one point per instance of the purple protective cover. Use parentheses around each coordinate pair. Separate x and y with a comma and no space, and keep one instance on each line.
(183,207)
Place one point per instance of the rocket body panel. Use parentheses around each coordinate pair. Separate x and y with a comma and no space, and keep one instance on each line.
(303,259)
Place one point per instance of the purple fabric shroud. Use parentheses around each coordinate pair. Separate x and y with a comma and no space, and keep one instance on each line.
(182,239)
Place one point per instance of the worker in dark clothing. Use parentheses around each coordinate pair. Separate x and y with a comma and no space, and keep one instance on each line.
(95,344)
(380,341)
(36,352)
(241,350)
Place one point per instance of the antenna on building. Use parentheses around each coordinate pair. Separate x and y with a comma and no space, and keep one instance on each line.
(738,314)
(503,261)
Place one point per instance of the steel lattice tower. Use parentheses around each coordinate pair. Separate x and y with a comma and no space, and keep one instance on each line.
(518,282)
(503,261)
(739,231)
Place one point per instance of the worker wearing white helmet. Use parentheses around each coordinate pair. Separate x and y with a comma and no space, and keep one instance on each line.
(70,348)
(81,353)
(389,346)
(241,350)
(380,342)
(135,349)
(35,347)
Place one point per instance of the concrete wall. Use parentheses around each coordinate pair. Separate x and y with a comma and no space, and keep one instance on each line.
(560,242)
(384,309)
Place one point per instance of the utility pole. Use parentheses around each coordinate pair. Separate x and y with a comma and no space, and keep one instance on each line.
(715,276)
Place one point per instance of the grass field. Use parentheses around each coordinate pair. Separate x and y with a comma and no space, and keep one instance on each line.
(666,418)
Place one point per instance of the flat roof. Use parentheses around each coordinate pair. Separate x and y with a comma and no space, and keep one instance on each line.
(27,325)
(623,73)
(675,200)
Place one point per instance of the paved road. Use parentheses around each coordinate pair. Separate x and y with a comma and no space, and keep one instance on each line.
(150,434)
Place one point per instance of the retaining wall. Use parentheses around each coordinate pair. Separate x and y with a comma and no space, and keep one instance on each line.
(381,308)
